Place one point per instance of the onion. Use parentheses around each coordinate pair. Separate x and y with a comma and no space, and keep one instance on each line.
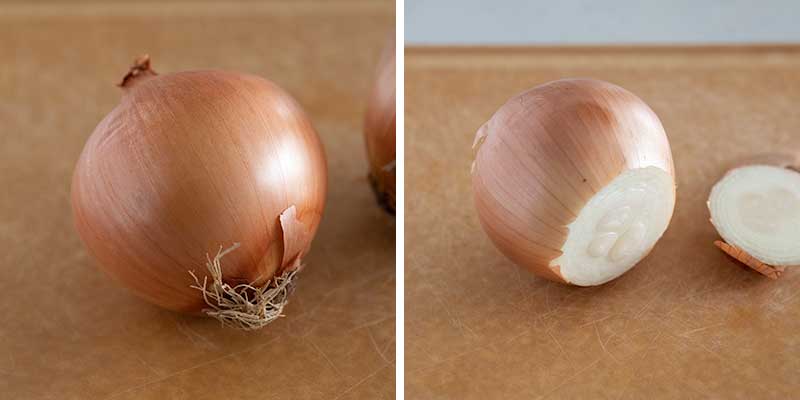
(574,181)
(379,130)
(193,161)
(755,207)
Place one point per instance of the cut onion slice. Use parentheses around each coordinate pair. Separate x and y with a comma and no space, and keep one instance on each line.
(756,210)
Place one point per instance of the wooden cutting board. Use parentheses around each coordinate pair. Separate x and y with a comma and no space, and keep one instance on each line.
(687,322)
(67,331)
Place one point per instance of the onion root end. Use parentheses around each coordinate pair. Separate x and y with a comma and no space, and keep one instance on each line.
(244,306)
(384,198)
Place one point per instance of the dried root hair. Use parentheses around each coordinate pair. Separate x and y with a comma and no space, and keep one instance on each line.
(244,306)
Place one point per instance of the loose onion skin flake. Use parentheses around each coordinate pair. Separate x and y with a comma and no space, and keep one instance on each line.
(574,181)
(755,207)
(379,130)
(192,167)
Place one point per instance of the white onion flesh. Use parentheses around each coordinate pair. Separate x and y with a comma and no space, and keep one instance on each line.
(618,227)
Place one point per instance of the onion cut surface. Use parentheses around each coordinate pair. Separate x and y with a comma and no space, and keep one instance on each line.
(617,227)
(756,208)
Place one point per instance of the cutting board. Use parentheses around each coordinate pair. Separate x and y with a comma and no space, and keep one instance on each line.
(67,331)
(686,322)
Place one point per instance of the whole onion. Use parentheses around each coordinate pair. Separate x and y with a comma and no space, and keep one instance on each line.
(379,130)
(188,164)
(574,180)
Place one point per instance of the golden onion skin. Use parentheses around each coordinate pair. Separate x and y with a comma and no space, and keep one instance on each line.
(189,162)
(544,154)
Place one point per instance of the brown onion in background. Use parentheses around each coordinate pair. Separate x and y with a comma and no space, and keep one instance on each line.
(379,129)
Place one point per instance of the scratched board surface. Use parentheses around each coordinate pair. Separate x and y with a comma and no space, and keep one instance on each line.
(687,322)
(67,331)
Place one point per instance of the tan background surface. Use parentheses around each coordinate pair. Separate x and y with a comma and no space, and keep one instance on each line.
(66,330)
(687,322)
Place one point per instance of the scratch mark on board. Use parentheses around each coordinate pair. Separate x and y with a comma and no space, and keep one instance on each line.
(195,337)
(565,381)
(375,345)
(359,383)
(689,332)
(560,348)
(325,356)
(454,320)
(603,346)
(194,367)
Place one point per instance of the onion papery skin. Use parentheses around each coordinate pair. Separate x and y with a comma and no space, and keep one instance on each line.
(379,129)
(189,162)
(545,153)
